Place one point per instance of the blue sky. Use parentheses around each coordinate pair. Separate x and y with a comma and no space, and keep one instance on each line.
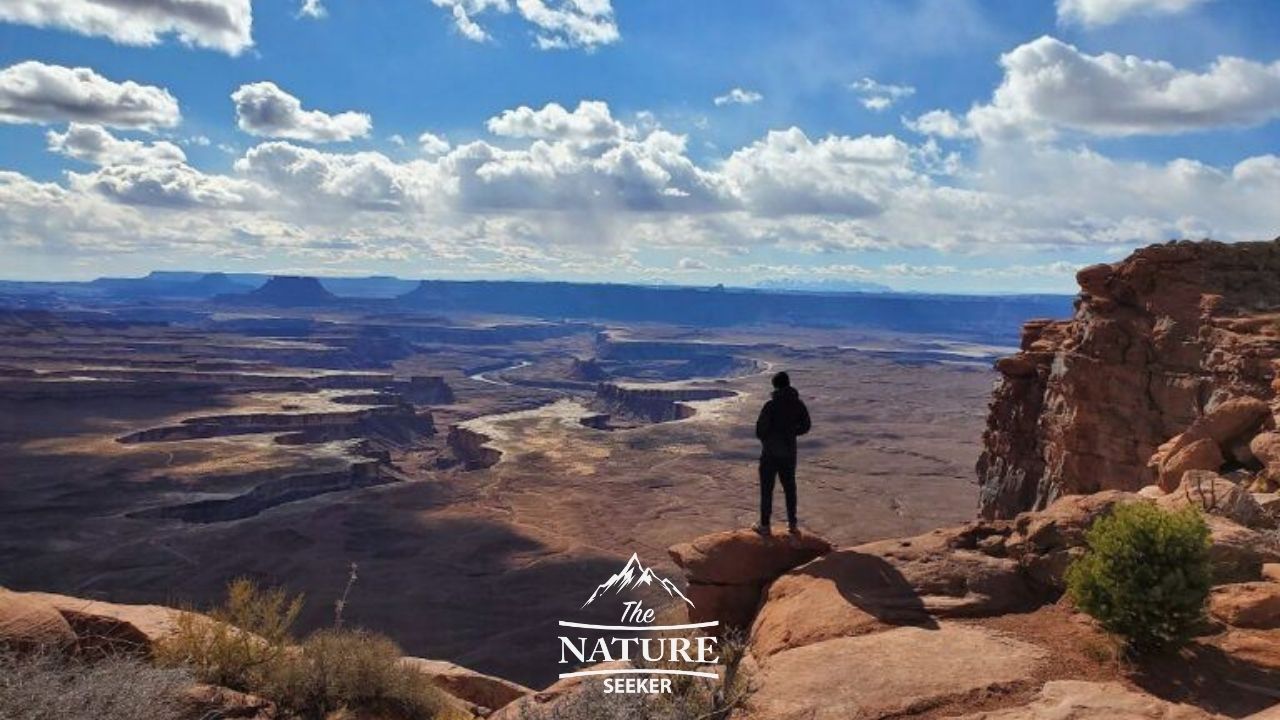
(923,144)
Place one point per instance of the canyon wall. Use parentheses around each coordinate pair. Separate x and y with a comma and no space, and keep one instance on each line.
(1156,341)
(651,405)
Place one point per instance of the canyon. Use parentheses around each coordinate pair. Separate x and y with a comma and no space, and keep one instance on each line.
(161,438)
(486,470)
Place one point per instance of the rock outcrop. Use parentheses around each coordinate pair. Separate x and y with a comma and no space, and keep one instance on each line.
(589,370)
(428,390)
(1247,605)
(1211,493)
(632,405)
(1158,343)
(27,623)
(727,571)
(471,448)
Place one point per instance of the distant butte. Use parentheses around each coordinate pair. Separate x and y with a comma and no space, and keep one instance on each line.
(286,291)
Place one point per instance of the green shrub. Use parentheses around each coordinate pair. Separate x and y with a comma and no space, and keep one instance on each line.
(1145,575)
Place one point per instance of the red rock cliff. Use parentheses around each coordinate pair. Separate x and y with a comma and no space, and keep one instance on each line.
(1156,341)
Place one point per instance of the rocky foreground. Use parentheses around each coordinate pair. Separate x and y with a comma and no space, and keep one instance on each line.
(970,622)
(964,622)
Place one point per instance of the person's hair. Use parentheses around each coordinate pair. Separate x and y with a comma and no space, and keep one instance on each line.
(781,380)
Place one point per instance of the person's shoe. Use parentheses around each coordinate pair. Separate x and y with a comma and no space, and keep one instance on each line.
(793,528)
(762,529)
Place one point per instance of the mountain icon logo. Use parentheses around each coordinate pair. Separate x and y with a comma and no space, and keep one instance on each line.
(633,575)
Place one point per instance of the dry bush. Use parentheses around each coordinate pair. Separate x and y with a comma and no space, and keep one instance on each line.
(250,634)
(250,648)
(350,669)
(51,686)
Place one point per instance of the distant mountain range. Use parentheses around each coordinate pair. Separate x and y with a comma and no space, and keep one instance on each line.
(992,319)
(633,575)
(829,285)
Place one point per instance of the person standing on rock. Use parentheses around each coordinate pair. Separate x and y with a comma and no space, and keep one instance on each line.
(782,419)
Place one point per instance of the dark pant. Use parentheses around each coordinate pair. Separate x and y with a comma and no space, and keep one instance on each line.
(777,467)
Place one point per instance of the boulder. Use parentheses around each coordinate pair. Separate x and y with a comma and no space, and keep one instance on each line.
(1239,553)
(1259,648)
(29,623)
(1214,494)
(485,691)
(122,627)
(1080,700)
(1046,542)
(1247,605)
(1229,421)
(889,673)
(1063,524)
(741,557)
(727,571)
(1266,448)
(1202,454)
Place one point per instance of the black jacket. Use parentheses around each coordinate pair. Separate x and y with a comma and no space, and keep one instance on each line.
(782,419)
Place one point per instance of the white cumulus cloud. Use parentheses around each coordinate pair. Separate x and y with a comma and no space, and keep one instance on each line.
(786,173)
(432,144)
(1050,86)
(167,186)
(876,96)
(313,9)
(591,121)
(558,24)
(33,92)
(263,109)
(738,96)
(94,144)
(1094,13)
(940,123)
(224,25)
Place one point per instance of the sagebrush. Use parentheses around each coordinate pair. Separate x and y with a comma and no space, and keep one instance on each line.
(250,647)
(49,685)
